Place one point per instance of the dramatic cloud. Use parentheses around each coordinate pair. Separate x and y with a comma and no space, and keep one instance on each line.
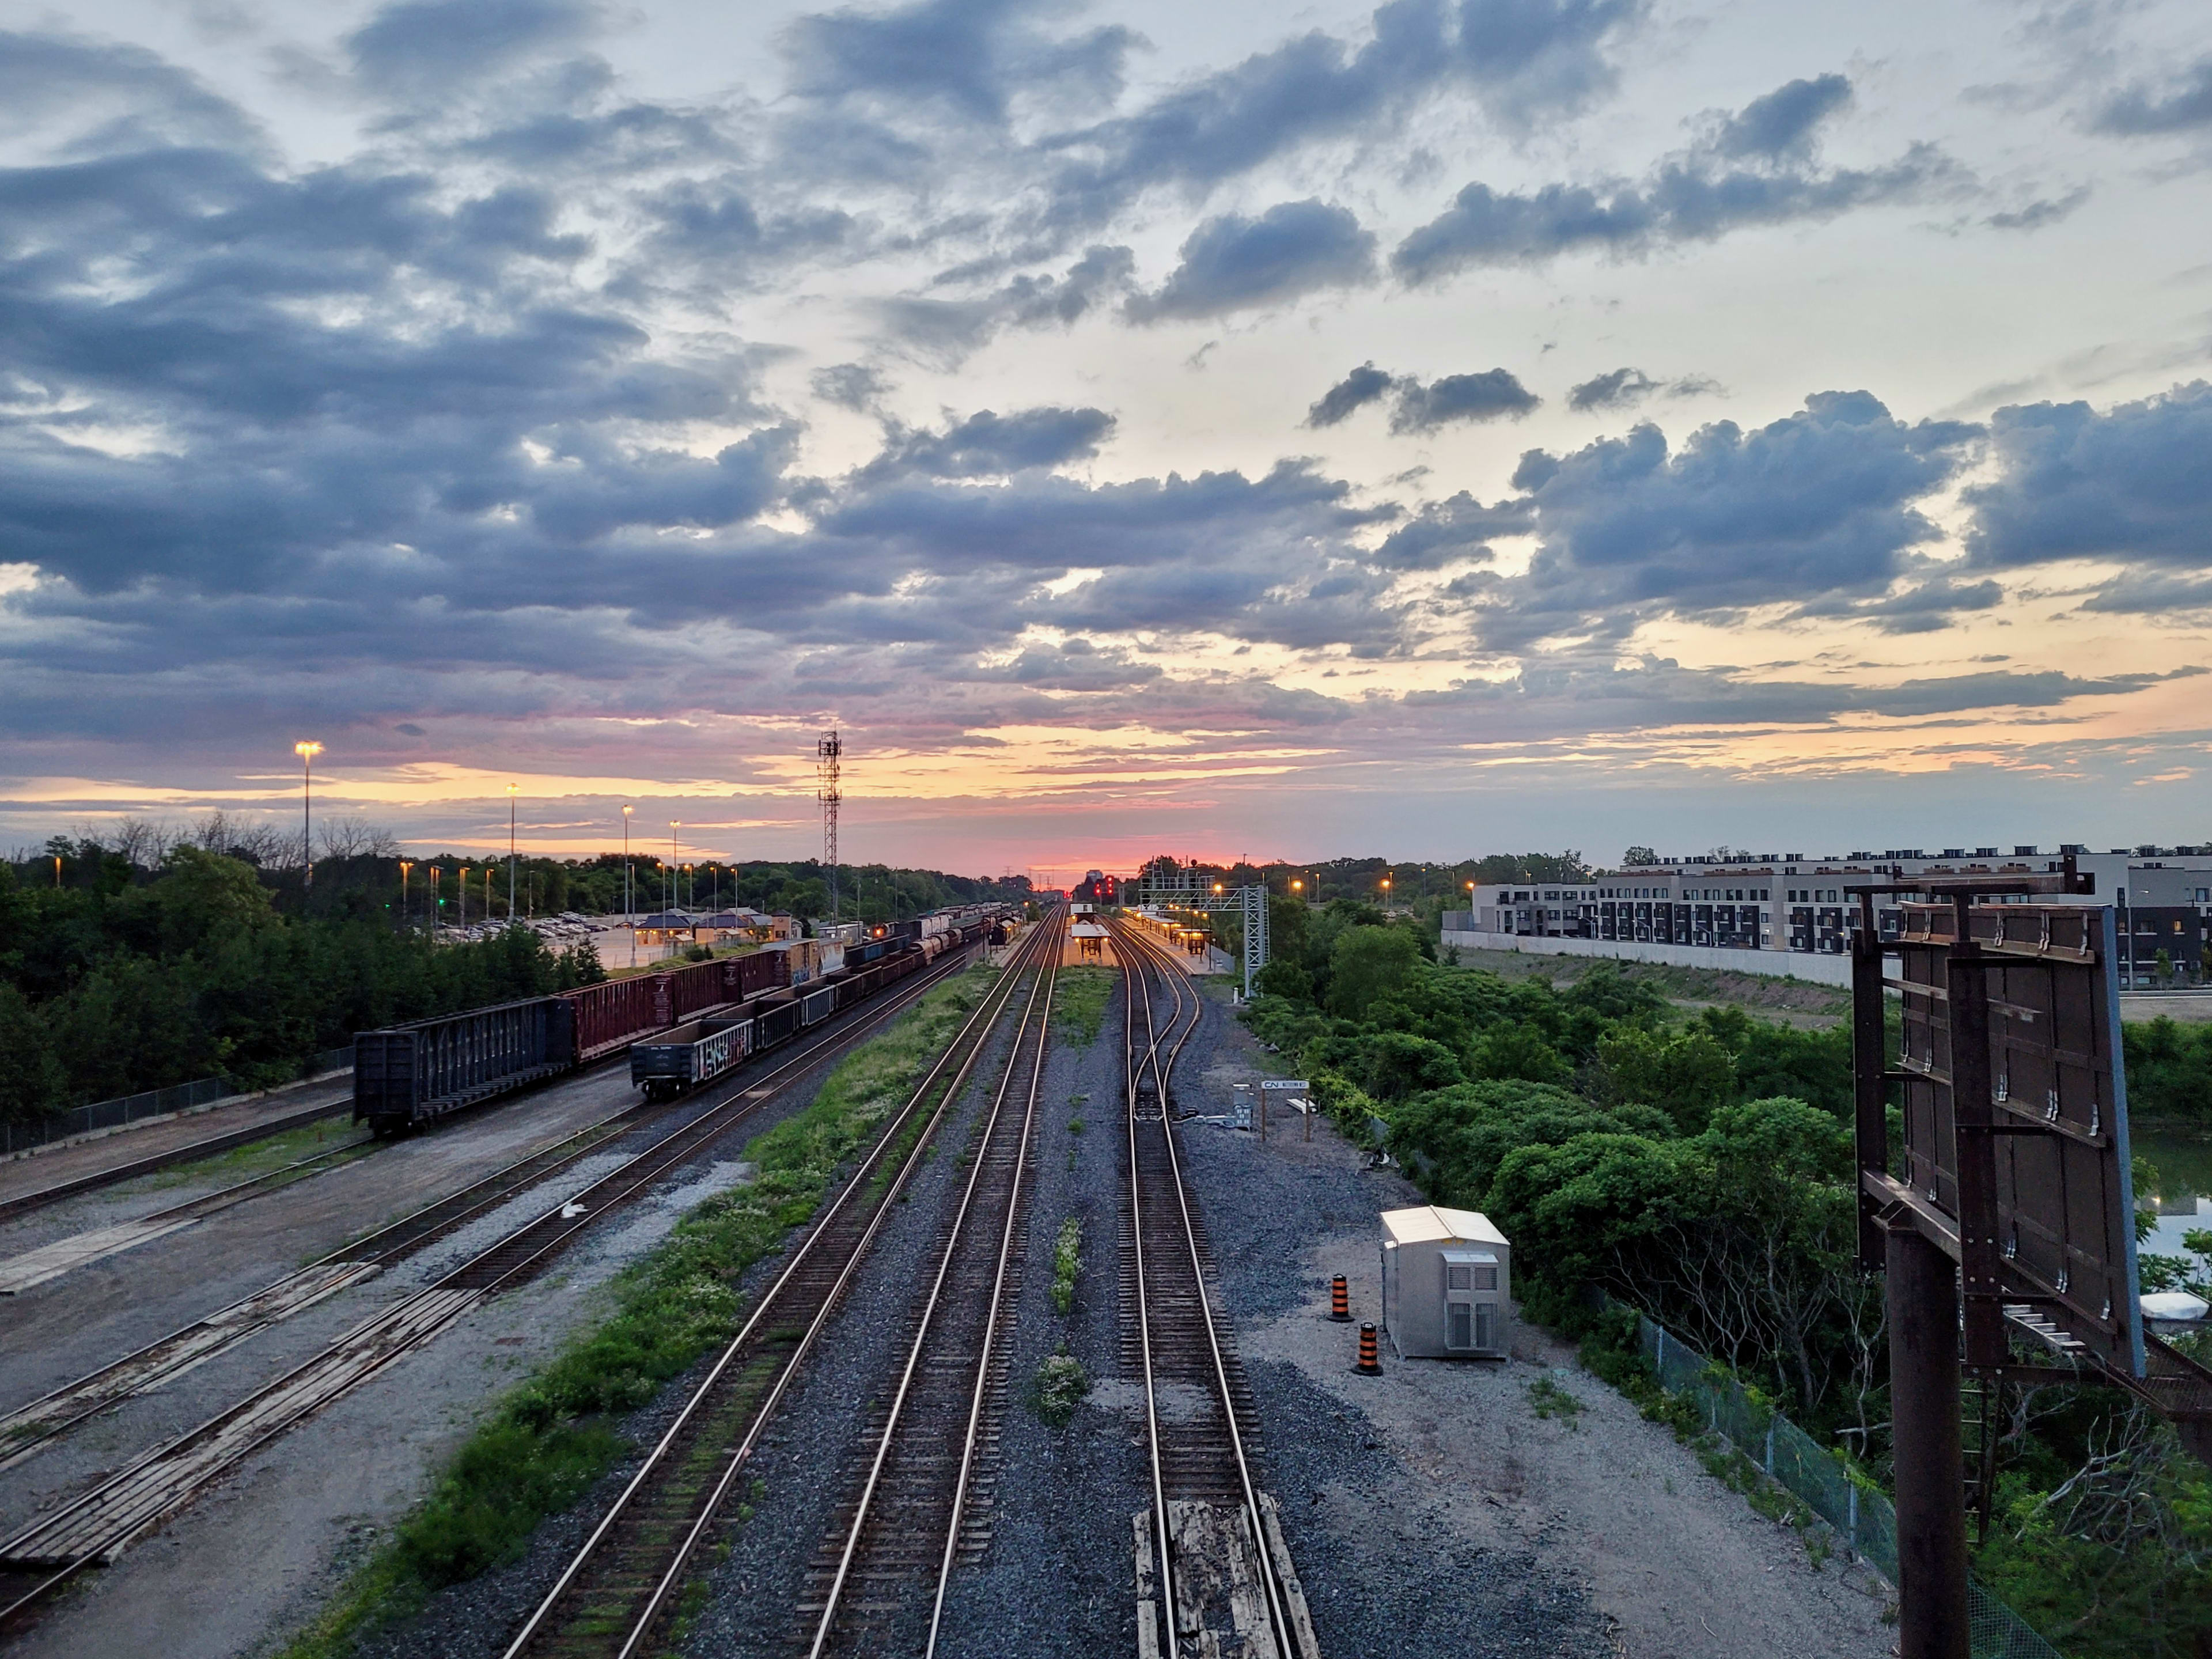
(2133,484)
(1758,170)
(1818,503)
(2185,106)
(1354,392)
(1521,60)
(973,55)
(1625,388)
(987,444)
(1494,394)
(1447,532)
(1234,264)
(430,45)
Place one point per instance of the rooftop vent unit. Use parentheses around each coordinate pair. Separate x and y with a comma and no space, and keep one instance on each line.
(2023,851)
(1985,852)
(2065,846)
(1954,852)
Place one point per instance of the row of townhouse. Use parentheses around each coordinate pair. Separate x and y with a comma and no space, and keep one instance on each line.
(1793,902)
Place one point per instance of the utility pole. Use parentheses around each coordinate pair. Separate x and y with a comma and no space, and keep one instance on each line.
(513,789)
(829,789)
(307,752)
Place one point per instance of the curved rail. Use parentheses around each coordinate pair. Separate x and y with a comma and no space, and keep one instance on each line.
(1155,1152)
(613,1592)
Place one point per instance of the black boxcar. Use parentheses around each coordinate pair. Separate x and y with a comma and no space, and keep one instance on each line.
(410,1074)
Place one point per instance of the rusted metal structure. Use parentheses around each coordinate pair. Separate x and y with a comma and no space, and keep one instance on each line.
(2007,1231)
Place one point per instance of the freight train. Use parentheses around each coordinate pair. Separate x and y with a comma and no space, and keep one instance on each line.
(409,1075)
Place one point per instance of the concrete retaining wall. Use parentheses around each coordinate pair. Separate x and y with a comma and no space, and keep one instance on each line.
(1775,964)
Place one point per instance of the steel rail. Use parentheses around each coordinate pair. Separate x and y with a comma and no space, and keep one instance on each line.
(1278,1599)
(537,1629)
(491,1274)
(1039,1005)
(397,1240)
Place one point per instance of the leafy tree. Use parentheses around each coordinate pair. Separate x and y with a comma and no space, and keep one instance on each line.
(1398,1063)
(1457,1137)
(30,1077)
(1367,963)
(1515,1050)
(1685,1074)
(1639,856)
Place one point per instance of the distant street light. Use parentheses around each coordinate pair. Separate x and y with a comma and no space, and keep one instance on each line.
(629,916)
(464,922)
(404,866)
(307,751)
(513,789)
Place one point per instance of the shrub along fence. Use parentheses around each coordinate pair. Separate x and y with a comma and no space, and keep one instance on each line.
(131,1108)
(1863,1516)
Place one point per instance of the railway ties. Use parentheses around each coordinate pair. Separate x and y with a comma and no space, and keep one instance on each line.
(98,1525)
(1213,1572)
(620,1593)
(923,1505)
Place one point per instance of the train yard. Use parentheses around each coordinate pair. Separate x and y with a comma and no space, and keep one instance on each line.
(866,1463)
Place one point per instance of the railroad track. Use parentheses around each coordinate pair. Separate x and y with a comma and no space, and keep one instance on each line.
(37,1561)
(1214,1574)
(618,1595)
(878,1586)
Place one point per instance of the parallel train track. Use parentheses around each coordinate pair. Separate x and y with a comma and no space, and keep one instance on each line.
(39,1560)
(1213,1570)
(879,1584)
(620,1593)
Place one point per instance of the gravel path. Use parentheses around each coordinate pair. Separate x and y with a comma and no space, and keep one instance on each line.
(1430,1511)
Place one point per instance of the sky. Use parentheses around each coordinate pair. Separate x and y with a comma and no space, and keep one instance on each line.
(1238,431)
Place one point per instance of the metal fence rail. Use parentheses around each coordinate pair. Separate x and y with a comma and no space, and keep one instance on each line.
(1863,1516)
(130,1109)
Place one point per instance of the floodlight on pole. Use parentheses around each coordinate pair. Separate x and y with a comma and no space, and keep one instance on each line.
(512,790)
(306,750)
(629,914)
(404,866)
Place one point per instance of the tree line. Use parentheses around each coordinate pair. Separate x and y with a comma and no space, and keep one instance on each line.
(1699,1167)
(142,958)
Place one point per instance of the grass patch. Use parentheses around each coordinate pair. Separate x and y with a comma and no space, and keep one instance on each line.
(1548,1400)
(257,1157)
(552,1435)
(1062,1382)
(1078,1003)
(1067,1263)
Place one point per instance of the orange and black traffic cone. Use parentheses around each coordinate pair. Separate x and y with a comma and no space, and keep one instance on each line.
(1339,1300)
(1370,1364)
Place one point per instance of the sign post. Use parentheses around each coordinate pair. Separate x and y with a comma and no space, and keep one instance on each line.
(2014,1193)
(1296,1088)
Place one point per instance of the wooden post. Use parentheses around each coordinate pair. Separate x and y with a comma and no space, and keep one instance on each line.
(1931,1506)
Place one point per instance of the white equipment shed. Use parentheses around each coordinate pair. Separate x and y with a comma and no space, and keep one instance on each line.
(1446,1276)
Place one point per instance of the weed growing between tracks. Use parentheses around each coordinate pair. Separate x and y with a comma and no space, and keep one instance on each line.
(1067,1263)
(551,1437)
(1079,1004)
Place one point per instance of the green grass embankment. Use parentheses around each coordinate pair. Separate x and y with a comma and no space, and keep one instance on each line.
(554,1433)
(1078,1003)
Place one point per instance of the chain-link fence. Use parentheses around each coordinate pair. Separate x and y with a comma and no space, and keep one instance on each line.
(1862,1516)
(130,1109)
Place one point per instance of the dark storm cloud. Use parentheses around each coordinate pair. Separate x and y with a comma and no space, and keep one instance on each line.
(423,45)
(2133,484)
(1699,196)
(1231,263)
(1520,59)
(1818,503)
(1494,394)
(987,444)
(2182,106)
(1354,392)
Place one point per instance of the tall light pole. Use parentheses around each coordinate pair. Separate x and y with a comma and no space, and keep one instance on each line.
(630,916)
(668,886)
(513,789)
(404,866)
(463,922)
(307,751)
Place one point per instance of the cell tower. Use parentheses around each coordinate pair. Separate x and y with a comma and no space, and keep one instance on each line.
(828,750)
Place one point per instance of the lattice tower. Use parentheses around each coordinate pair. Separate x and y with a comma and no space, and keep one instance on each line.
(828,752)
